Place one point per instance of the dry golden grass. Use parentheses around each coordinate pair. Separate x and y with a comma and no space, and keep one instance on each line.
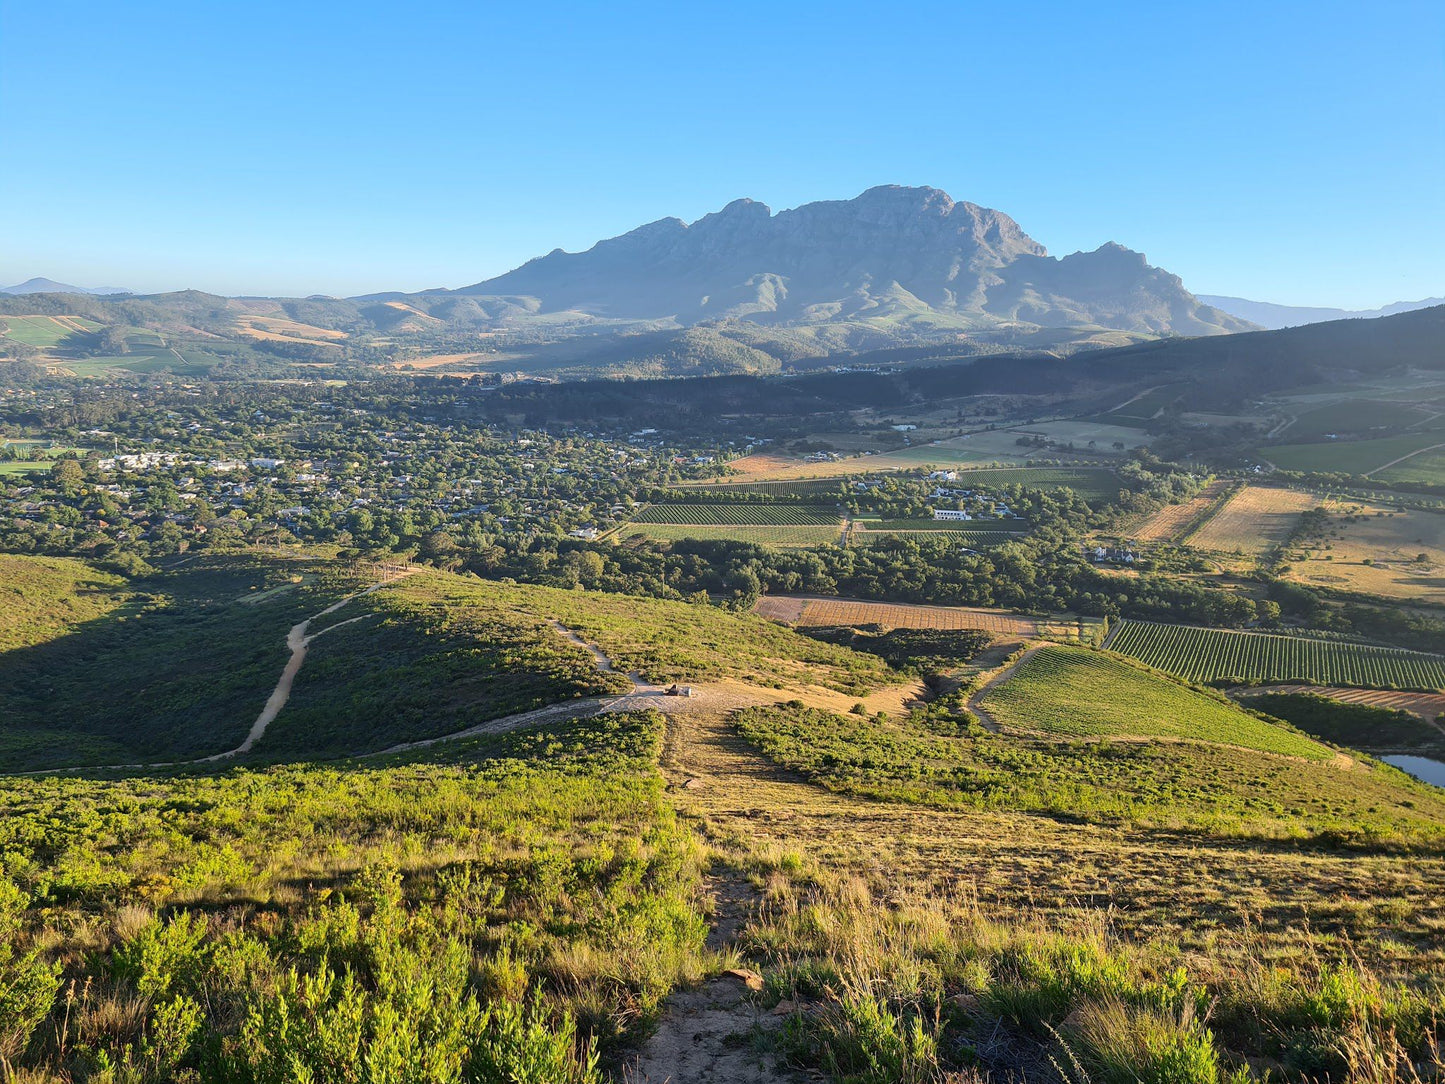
(402,306)
(435,361)
(797,610)
(1173,520)
(1200,892)
(1254,520)
(1392,541)
(280,329)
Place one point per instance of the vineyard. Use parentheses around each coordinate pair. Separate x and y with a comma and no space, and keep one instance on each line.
(740,515)
(856,613)
(761,534)
(961,534)
(1218,655)
(1253,521)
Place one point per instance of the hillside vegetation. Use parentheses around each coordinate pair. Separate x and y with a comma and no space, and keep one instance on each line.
(47,597)
(168,666)
(447,921)
(1079,693)
(177,665)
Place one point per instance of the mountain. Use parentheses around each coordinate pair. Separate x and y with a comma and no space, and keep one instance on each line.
(1273,317)
(892,256)
(50,286)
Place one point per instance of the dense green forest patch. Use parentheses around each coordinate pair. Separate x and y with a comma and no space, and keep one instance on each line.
(1360,726)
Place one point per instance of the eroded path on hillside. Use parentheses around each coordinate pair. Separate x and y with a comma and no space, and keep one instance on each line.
(975,702)
(297,640)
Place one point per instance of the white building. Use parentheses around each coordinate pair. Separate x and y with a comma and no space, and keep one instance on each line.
(950,513)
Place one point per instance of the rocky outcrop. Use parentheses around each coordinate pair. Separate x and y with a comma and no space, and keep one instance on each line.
(891,254)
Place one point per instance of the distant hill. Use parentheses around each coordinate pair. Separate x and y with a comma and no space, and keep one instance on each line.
(894,257)
(50,286)
(1211,372)
(1273,317)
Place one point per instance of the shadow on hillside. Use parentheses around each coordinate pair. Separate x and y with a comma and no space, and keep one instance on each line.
(176,671)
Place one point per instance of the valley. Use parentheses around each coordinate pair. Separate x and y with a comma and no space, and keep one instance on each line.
(917,710)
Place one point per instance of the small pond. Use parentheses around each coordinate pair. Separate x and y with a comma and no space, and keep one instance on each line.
(1432,771)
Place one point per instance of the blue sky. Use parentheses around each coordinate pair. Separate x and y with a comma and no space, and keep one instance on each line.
(1292,152)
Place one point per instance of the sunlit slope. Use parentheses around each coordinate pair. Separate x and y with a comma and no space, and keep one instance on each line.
(176,666)
(1078,693)
(1085,737)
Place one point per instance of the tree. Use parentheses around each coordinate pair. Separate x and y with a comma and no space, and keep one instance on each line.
(67,474)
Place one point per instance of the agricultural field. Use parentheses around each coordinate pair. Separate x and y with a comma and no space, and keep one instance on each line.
(797,536)
(1223,656)
(1079,693)
(802,491)
(1094,484)
(1253,521)
(1384,551)
(1427,467)
(1352,456)
(1142,408)
(1357,417)
(1095,436)
(796,610)
(754,515)
(1174,521)
(283,329)
(45,332)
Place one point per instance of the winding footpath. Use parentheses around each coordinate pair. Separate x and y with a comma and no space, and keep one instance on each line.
(297,640)
(975,702)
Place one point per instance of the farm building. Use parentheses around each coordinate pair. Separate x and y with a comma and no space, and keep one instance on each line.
(951,514)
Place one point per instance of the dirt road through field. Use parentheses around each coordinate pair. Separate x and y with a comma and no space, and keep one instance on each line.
(975,702)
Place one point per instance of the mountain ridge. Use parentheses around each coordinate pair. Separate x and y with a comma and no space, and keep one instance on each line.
(893,253)
(41,285)
(1275,317)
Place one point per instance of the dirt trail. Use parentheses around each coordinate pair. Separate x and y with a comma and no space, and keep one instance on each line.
(975,702)
(297,640)
(1411,455)
(705,1037)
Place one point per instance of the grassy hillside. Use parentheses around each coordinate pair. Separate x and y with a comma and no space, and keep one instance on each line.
(1079,693)
(465,916)
(437,654)
(1135,879)
(42,598)
(178,665)
(179,670)
(1217,790)
(1159,755)
(677,641)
